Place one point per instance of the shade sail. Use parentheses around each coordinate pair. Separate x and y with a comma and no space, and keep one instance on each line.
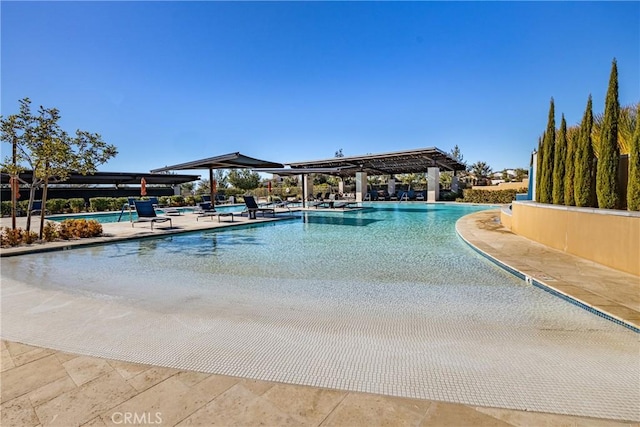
(226,161)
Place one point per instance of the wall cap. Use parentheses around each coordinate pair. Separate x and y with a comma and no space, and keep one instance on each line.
(598,211)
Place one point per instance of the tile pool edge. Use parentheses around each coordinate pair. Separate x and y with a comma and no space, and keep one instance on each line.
(548,288)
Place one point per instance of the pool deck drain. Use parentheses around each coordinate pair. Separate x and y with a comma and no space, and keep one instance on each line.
(41,386)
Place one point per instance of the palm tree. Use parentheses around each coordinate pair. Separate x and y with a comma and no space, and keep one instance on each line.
(481,170)
(627,119)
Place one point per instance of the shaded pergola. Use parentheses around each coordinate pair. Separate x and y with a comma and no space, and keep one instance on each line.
(430,160)
(225,161)
(391,163)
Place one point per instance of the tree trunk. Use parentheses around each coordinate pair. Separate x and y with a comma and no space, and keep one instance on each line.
(44,210)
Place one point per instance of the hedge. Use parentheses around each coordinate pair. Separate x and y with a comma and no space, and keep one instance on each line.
(488,196)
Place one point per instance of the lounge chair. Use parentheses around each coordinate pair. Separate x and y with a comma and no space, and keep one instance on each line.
(328,202)
(345,204)
(154,201)
(146,213)
(36,208)
(206,209)
(420,195)
(253,208)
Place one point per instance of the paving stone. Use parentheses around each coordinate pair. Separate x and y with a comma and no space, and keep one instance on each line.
(151,377)
(84,403)
(6,362)
(239,407)
(309,405)
(373,410)
(18,412)
(31,376)
(84,369)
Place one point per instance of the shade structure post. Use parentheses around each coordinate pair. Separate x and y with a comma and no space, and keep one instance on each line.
(361,186)
(213,196)
(433,184)
(391,186)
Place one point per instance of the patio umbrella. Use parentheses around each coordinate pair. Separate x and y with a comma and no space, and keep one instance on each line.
(269,186)
(214,187)
(143,187)
(15,186)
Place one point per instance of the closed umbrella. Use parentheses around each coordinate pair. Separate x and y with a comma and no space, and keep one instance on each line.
(143,187)
(15,187)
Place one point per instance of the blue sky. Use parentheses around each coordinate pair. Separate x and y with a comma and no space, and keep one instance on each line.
(170,82)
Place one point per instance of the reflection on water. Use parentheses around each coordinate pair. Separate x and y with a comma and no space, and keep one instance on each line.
(312,218)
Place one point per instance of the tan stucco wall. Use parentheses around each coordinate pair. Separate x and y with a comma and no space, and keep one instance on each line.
(503,186)
(608,237)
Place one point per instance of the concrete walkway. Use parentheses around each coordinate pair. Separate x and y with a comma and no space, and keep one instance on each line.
(45,387)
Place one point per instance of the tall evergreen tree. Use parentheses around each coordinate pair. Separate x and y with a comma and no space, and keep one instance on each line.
(583,161)
(559,159)
(539,167)
(633,188)
(569,171)
(609,153)
(548,147)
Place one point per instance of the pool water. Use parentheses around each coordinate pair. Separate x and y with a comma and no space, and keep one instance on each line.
(383,300)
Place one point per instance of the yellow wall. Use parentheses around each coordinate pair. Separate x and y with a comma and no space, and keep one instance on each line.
(608,237)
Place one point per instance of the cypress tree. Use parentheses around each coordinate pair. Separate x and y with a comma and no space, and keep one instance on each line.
(539,167)
(548,143)
(569,171)
(633,188)
(559,159)
(609,152)
(583,161)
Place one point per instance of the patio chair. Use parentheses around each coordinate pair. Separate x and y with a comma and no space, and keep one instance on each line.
(36,208)
(154,201)
(146,213)
(206,209)
(253,208)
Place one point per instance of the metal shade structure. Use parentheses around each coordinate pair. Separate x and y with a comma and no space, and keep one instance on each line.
(397,162)
(226,161)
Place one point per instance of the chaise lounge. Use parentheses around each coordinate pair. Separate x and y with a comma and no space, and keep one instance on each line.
(253,208)
(206,209)
(146,213)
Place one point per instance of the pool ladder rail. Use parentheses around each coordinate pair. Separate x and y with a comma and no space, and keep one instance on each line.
(128,207)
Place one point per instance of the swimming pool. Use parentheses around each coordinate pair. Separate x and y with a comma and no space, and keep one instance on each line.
(384,300)
(113,216)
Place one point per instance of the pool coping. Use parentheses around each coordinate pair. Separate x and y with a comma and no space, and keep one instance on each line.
(540,283)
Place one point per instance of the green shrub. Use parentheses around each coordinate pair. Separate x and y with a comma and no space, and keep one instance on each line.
(176,201)
(449,196)
(76,205)
(189,201)
(488,196)
(116,203)
(56,206)
(99,204)
(6,208)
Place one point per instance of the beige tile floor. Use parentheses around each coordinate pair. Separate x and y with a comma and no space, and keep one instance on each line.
(39,386)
